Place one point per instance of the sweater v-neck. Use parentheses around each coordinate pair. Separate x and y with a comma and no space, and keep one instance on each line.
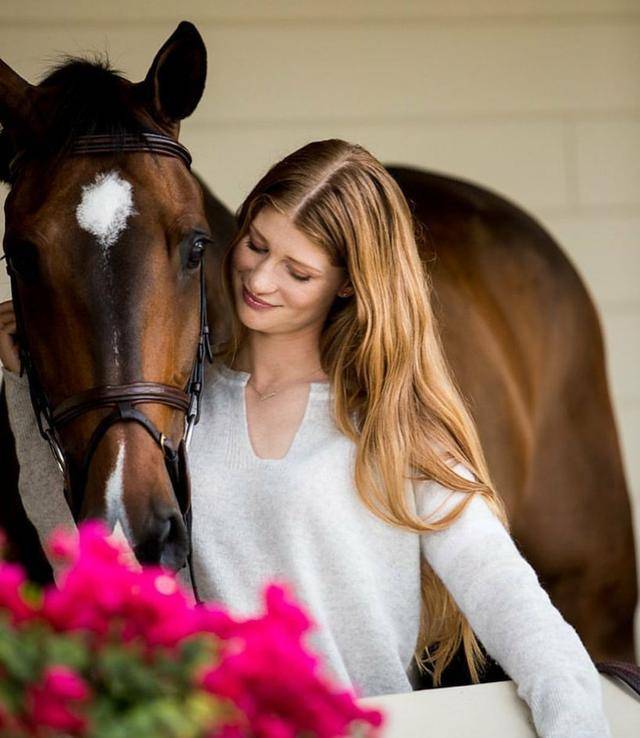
(237,380)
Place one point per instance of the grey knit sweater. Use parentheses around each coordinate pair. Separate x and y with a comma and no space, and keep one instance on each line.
(299,520)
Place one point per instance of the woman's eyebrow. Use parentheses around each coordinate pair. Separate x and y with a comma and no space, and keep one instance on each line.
(307,266)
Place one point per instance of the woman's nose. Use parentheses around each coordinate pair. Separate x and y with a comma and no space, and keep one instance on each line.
(260,280)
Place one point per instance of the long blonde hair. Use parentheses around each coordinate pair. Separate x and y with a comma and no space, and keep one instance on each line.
(394,393)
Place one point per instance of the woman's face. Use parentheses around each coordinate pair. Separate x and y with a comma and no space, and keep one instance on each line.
(278,265)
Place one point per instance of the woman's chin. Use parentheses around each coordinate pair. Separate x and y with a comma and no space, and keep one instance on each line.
(252,319)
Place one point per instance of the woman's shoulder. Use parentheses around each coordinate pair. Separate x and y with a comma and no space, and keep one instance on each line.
(217,378)
(218,370)
(436,498)
(461,468)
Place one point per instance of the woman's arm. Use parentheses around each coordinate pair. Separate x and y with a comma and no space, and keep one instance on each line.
(40,481)
(499,593)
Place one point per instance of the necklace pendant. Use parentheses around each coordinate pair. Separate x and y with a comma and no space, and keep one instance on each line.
(267,396)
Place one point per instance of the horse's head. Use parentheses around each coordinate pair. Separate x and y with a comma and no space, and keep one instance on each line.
(104,247)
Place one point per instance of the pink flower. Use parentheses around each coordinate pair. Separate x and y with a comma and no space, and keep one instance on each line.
(276,683)
(64,683)
(51,703)
(272,726)
(262,666)
(102,593)
(229,730)
(12,580)
(63,544)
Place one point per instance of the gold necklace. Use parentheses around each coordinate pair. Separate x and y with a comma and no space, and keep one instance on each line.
(271,394)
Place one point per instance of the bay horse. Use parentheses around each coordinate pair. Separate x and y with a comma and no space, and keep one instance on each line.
(523,338)
(519,330)
(105,237)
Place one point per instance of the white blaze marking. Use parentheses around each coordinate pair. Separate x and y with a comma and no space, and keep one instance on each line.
(105,206)
(104,209)
(116,512)
(114,344)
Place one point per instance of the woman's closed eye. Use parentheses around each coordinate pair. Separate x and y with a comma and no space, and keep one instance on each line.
(257,249)
(299,277)
(253,247)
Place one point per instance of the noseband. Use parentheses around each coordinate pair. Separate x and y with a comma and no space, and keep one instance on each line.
(123,397)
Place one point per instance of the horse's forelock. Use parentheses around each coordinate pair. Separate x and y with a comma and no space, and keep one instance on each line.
(83,96)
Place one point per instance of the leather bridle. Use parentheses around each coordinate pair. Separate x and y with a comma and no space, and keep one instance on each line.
(123,397)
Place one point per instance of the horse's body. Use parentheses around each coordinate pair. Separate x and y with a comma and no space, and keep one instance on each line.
(523,339)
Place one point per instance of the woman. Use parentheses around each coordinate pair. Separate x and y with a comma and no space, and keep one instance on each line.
(334,452)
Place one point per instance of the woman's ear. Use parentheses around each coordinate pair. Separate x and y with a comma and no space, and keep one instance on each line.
(346,290)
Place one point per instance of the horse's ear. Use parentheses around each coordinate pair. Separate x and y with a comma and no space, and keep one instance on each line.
(175,81)
(16,98)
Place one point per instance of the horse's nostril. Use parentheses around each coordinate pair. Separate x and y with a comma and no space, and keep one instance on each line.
(164,542)
(176,544)
(164,530)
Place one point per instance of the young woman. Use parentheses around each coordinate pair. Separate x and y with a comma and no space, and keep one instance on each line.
(335,453)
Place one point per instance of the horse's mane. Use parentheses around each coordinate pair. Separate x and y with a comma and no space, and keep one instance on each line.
(88,96)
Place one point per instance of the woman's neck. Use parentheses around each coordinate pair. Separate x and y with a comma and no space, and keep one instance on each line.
(280,357)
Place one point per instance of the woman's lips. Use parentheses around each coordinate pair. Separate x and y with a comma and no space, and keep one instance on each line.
(254,302)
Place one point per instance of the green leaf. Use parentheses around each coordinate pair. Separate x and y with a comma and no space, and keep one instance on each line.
(70,649)
(163,717)
(20,653)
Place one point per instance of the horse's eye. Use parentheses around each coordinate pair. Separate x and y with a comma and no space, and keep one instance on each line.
(23,261)
(196,252)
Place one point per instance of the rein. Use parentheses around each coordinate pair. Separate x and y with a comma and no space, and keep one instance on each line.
(123,397)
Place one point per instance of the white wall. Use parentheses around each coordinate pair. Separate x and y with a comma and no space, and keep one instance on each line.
(538,99)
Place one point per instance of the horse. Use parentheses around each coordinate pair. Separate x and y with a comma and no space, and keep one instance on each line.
(518,328)
(522,336)
(106,232)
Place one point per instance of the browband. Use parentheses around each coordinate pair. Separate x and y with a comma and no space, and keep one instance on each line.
(104,143)
(157,143)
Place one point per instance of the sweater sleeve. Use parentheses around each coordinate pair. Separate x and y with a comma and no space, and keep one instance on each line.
(499,593)
(40,481)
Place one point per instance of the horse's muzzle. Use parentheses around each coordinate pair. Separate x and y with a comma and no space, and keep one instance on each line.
(165,541)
